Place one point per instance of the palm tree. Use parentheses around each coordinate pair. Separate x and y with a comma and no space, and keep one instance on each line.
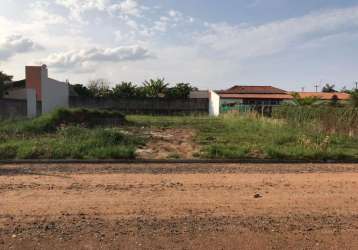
(329,88)
(125,90)
(155,88)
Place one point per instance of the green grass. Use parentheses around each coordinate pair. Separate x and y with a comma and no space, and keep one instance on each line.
(67,134)
(79,134)
(248,136)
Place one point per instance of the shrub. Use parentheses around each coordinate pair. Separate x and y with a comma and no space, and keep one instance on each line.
(84,117)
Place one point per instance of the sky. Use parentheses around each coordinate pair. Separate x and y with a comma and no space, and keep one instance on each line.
(212,44)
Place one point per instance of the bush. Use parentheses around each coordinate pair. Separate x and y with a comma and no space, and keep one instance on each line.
(64,117)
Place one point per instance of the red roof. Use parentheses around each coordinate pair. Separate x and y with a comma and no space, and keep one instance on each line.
(253,90)
(325,96)
(257,96)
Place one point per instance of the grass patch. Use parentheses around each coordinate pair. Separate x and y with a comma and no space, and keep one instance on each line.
(68,134)
(234,136)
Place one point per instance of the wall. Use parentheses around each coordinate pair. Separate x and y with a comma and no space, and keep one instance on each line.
(55,94)
(10,108)
(214,104)
(33,79)
(31,103)
(144,105)
(18,94)
(199,94)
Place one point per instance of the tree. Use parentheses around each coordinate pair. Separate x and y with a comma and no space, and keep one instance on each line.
(82,90)
(4,78)
(334,101)
(354,98)
(155,88)
(99,88)
(125,90)
(329,88)
(181,90)
(307,101)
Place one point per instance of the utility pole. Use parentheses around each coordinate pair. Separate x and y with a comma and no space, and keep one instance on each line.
(316,86)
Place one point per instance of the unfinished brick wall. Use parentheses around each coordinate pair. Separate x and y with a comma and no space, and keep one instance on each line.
(33,80)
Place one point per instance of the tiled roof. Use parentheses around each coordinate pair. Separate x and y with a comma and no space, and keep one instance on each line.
(325,96)
(253,90)
(256,96)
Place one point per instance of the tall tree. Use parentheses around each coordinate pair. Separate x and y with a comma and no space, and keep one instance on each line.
(4,78)
(99,88)
(180,90)
(329,88)
(81,90)
(124,90)
(155,88)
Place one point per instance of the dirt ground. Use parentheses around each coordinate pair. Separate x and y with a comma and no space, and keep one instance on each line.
(179,206)
(169,143)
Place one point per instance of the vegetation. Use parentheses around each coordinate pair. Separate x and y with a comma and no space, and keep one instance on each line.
(329,88)
(294,133)
(354,98)
(306,101)
(67,134)
(152,88)
(99,88)
(4,78)
(125,90)
(234,136)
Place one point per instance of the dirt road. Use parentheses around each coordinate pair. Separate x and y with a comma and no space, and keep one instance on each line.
(183,206)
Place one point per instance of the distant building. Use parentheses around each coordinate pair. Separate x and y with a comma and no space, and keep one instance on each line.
(253,95)
(49,92)
(325,96)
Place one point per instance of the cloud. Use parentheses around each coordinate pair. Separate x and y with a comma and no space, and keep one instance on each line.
(15,44)
(78,7)
(267,39)
(83,58)
(127,7)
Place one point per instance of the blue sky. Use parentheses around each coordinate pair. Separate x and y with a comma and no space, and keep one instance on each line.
(212,44)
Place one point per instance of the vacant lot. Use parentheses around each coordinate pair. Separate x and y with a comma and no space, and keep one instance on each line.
(93,134)
(187,206)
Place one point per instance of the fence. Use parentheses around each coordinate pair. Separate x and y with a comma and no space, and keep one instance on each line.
(12,108)
(241,108)
(161,106)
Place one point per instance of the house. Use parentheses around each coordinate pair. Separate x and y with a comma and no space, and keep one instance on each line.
(254,96)
(325,96)
(39,88)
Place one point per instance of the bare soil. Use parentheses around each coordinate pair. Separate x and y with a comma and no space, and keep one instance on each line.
(179,206)
(169,143)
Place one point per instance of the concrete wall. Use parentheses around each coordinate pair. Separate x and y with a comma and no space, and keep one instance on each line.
(199,94)
(144,105)
(17,94)
(214,104)
(31,103)
(10,108)
(55,94)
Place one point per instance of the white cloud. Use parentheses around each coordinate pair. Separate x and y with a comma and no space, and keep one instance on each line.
(15,44)
(78,7)
(81,58)
(252,41)
(127,7)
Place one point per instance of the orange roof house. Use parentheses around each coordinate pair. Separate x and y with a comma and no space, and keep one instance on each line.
(254,95)
(325,96)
